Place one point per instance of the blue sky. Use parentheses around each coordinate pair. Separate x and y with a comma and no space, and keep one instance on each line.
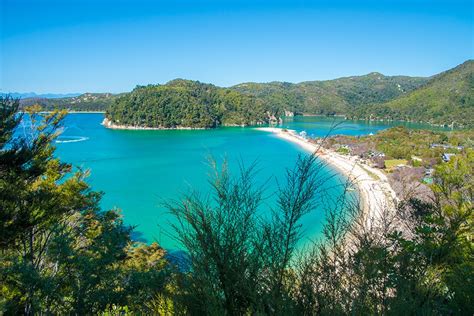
(98,46)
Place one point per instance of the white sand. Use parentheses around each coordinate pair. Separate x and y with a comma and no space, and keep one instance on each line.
(375,192)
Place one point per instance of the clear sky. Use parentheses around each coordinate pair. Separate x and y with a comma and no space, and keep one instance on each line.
(111,46)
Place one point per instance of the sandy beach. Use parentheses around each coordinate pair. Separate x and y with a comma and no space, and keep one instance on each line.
(372,184)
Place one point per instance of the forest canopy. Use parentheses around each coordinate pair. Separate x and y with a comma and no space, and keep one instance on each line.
(447,99)
(184,103)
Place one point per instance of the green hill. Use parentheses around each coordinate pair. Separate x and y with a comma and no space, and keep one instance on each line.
(447,99)
(185,103)
(83,102)
(330,97)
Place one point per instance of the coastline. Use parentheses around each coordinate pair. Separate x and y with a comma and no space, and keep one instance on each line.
(375,191)
(108,124)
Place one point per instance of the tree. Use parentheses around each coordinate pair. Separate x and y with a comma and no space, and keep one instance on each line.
(59,252)
(239,262)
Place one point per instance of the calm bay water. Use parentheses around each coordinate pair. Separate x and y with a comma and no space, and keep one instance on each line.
(138,170)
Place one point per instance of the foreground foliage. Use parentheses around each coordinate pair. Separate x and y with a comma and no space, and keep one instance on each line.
(417,260)
(239,261)
(413,260)
(58,252)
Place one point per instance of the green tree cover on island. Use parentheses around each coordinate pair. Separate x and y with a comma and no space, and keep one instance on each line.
(447,99)
(60,254)
(185,103)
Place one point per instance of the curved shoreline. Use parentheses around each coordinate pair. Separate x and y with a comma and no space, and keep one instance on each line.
(375,191)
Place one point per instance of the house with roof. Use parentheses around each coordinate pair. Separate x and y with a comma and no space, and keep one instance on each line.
(445,146)
(447,157)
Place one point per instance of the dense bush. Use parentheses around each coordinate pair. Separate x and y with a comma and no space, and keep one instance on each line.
(59,253)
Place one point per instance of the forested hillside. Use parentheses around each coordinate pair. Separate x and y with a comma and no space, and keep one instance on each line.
(448,98)
(83,102)
(185,103)
(332,96)
(311,97)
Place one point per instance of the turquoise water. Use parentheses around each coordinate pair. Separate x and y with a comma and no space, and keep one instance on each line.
(138,170)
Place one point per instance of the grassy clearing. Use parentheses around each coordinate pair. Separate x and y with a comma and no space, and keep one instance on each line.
(391,163)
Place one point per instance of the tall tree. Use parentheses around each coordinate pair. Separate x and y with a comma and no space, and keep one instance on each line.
(240,262)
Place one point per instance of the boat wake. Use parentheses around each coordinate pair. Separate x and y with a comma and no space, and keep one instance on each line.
(71,139)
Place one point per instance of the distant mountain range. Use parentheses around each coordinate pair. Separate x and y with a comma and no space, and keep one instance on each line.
(82,102)
(446,98)
(34,95)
